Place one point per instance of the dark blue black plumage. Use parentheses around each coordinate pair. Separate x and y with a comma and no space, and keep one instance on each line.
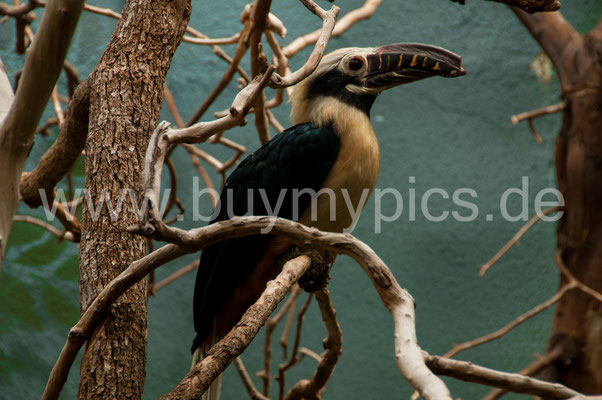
(298,158)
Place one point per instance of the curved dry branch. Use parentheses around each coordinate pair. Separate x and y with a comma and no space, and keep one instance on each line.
(254,394)
(469,372)
(348,20)
(397,300)
(63,153)
(329,20)
(60,235)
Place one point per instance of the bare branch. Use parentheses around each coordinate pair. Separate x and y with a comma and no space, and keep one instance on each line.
(102,11)
(515,239)
(178,274)
(304,351)
(233,344)
(240,51)
(229,40)
(512,324)
(63,153)
(60,235)
(333,344)
(397,300)
(282,368)
(18,10)
(530,370)
(572,280)
(529,115)
(329,19)
(270,325)
(515,119)
(254,394)
(259,15)
(42,67)
(469,372)
(348,20)
(173,109)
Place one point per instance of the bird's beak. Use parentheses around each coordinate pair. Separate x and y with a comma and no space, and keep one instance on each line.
(399,63)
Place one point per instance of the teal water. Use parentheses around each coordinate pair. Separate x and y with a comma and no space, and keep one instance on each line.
(445,133)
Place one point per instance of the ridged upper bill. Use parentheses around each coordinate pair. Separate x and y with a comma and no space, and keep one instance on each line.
(399,63)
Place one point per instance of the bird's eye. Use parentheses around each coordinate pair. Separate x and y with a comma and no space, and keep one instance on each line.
(356,63)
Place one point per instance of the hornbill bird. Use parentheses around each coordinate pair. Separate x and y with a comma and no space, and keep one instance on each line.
(331,146)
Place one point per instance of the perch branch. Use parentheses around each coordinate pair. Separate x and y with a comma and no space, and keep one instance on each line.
(235,342)
(399,302)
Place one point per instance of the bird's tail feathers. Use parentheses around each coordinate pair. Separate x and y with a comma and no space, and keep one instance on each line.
(214,390)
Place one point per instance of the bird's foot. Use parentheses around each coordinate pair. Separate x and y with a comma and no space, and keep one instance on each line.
(318,275)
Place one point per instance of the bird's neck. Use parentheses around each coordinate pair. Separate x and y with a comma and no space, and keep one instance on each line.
(328,110)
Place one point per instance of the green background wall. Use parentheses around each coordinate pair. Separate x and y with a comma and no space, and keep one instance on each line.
(447,133)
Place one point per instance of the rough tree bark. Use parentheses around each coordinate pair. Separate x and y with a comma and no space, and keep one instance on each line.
(125,100)
(577,325)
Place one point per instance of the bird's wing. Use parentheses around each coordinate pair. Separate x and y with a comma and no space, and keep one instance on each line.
(298,158)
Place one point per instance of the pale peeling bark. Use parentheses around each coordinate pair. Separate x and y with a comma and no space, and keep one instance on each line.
(125,100)
(42,67)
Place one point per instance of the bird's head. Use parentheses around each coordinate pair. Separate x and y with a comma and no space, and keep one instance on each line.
(355,76)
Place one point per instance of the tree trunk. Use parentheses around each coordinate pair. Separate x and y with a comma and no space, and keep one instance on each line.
(577,325)
(125,100)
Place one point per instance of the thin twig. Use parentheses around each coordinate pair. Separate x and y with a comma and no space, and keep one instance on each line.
(60,235)
(328,23)
(270,325)
(512,324)
(293,360)
(530,115)
(347,21)
(333,344)
(173,109)
(247,381)
(178,274)
(572,279)
(229,40)
(515,239)
(304,351)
